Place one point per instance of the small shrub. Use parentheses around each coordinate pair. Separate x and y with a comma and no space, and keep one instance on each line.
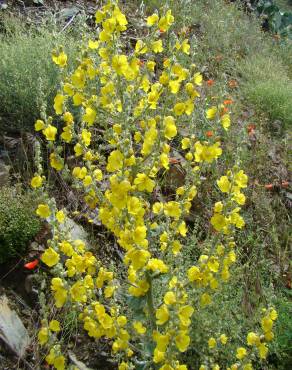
(18,223)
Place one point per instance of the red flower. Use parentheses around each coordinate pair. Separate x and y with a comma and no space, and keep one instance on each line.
(31,265)
(210,82)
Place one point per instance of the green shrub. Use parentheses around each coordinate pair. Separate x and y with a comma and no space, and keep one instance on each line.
(18,223)
(28,78)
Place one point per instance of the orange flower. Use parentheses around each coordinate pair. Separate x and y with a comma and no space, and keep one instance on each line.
(269,186)
(233,84)
(228,101)
(251,129)
(224,111)
(210,82)
(31,265)
(209,133)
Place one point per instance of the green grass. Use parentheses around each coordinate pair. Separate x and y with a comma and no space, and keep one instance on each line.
(267,87)
(28,77)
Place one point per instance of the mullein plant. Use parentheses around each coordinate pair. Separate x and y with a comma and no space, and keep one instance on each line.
(146,100)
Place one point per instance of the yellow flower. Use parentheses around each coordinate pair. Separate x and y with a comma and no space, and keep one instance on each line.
(59,363)
(273,314)
(223,338)
(252,339)
(211,113)
(212,343)
(224,184)
(182,229)
(170,130)
(55,326)
(267,324)
(213,264)
(174,86)
(185,46)
(157,46)
(184,315)
(50,132)
(123,366)
(166,21)
(58,103)
(156,265)
(68,118)
(60,60)
(198,78)
(78,292)
(93,44)
(172,209)
(153,19)
(194,274)
(86,137)
(89,116)
(56,162)
(43,210)
(143,182)
(120,64)
(182,341)
(241,179)
(185,143)
(39,125)
(241,353)
(78,78)
(138,326)
(36,182)
(50,257)
(115,161)
(60,216)
(43,336)
(179,109)
(169,298)
(225,121)
(162,315)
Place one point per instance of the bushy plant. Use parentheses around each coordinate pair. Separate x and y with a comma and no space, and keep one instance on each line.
(28,80)
(18,222)
(139,111)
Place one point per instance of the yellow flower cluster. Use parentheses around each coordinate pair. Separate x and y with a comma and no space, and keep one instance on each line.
(141,105)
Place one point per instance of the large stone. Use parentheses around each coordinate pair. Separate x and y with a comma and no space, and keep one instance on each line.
(76,231)
(12,330)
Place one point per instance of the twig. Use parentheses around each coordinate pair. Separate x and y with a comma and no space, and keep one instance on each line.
(69,22)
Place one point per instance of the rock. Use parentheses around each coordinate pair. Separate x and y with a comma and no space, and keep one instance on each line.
(76,231)
(12,330)
(79,364)
(4,174)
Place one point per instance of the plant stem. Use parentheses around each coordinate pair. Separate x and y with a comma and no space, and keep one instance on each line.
(150,303)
